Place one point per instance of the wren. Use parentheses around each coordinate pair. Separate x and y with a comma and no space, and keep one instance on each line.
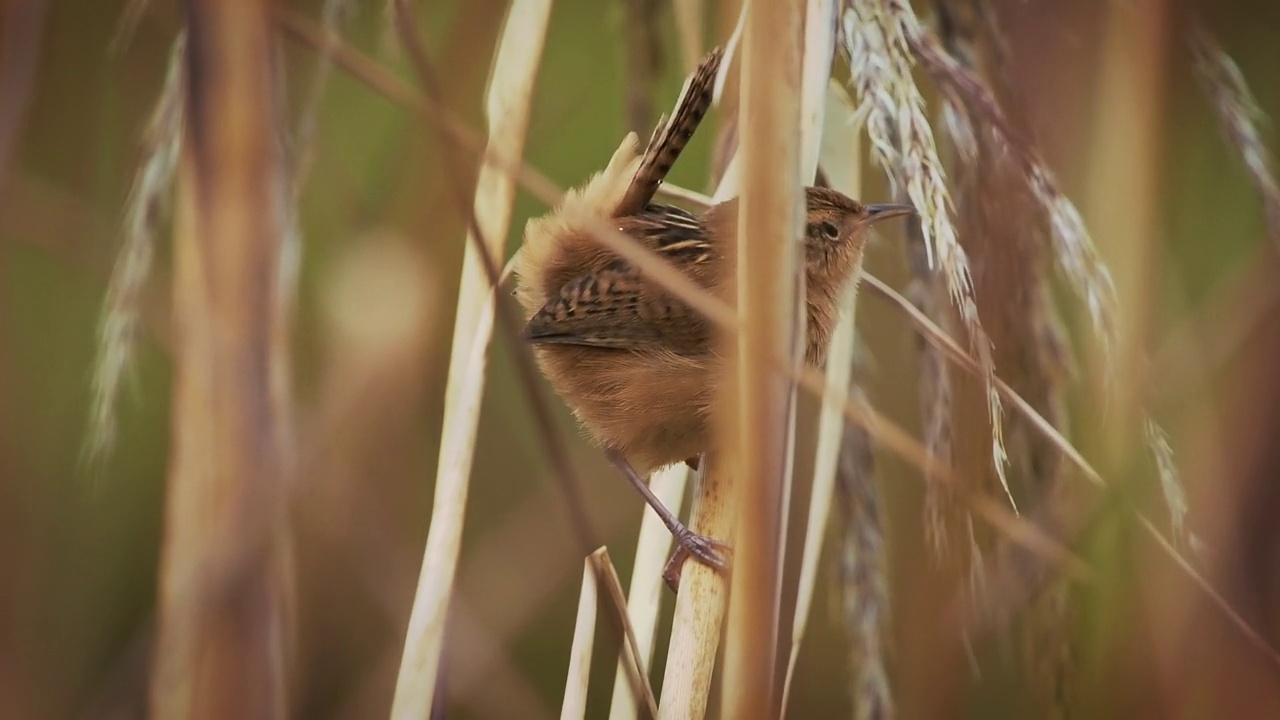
(637,366)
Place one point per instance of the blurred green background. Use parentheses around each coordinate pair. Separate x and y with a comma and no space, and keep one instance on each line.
(78,553)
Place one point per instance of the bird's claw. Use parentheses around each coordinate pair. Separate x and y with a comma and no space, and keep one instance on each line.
(713,553)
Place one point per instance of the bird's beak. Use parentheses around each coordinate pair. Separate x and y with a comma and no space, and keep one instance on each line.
(876,213)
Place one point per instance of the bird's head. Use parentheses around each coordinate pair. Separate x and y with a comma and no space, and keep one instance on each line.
(836,230)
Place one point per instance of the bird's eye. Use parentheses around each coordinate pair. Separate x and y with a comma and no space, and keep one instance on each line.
(829,230)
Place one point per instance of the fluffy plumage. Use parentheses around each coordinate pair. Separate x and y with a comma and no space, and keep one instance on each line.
(636,365)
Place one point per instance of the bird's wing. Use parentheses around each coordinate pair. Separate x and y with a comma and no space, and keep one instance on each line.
(618,307)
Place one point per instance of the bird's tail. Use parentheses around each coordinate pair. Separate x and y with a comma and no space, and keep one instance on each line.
(670,136)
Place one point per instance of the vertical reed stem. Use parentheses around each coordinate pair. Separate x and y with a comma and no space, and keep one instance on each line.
(222,598)
(510,96)
(699,613)
(769,291)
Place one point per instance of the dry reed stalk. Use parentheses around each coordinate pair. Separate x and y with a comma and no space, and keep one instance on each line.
(725,171)
(818,50)
(119,328)
(685,195)
(754,424)
(507,109)
(633,663)
(1238,117)
(700,604)
(599,574)
(644,598)
(574,703)
(222,649)
(876,37)
(863,572)
(842,161)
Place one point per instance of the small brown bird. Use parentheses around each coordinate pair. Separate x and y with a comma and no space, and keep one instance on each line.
(636,365)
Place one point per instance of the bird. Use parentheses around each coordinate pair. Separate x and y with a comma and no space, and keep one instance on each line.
(637,366)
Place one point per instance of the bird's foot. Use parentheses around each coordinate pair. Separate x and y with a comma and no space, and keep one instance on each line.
(713,553)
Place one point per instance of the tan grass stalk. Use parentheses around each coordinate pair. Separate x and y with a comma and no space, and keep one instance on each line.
(119,327)
(644,597)
(842,161)
(507,109)
(222,647)
(876,33)
(818,47)
(700,604)
(574,703)
(699,611)
(633,663)
(754,423)
(1238,117)
(728,180)
(685,195)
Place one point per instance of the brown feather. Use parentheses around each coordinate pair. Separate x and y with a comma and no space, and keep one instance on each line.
(636,365)
(670,137)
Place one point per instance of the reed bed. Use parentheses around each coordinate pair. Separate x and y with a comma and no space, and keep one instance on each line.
(302,505)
